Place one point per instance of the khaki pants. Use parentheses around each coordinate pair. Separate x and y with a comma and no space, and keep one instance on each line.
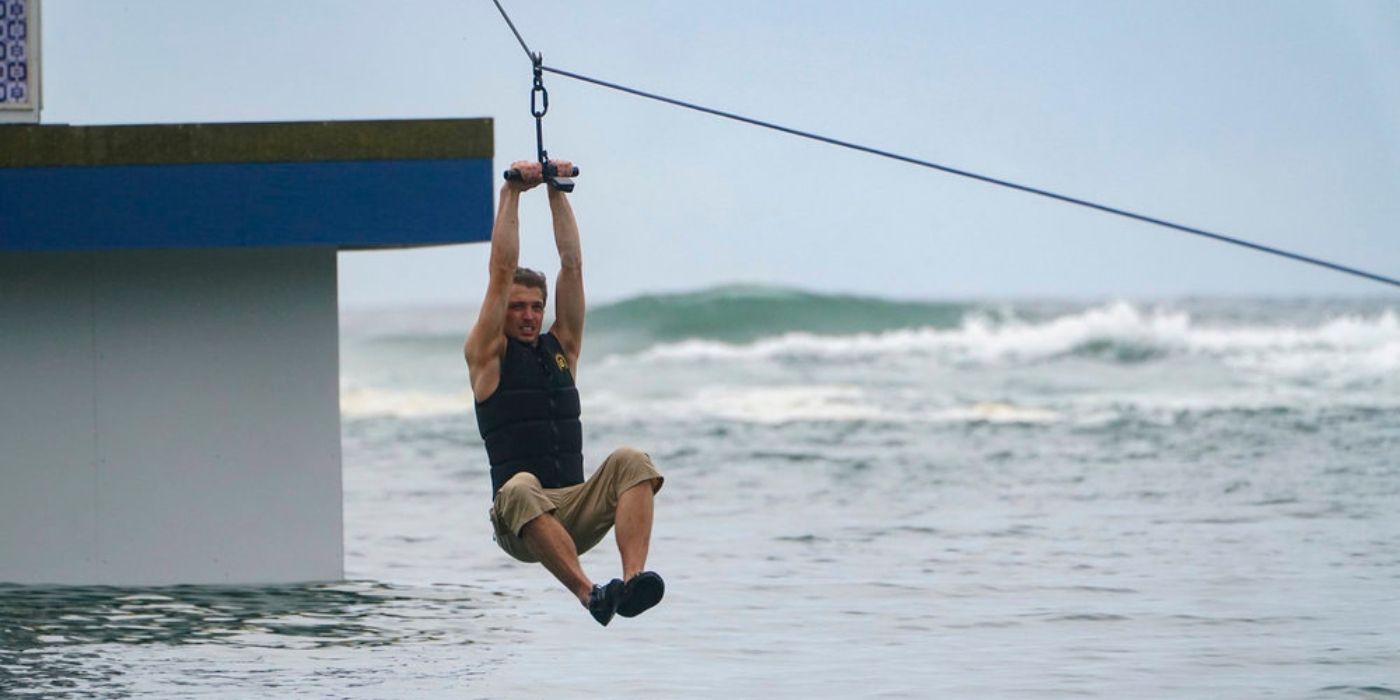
(586,510)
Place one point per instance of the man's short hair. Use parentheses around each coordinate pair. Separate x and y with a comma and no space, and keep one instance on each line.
(526,277)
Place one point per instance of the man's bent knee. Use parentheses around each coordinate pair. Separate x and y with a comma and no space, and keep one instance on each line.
(627,455)
(520,501)
(632,466)
(522,486)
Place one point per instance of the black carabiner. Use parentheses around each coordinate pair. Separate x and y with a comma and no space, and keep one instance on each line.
(542,108)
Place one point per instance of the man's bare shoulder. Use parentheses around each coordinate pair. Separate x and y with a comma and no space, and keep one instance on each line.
(484,357)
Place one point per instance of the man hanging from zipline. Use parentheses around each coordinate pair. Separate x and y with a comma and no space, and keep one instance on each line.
(527,408)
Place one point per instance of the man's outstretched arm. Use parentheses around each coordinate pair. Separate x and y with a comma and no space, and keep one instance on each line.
(487,341)
(568,289)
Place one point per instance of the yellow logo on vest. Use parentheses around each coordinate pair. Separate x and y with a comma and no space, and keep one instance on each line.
(560,360)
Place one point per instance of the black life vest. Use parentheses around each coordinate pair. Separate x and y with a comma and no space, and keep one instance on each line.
(531,423)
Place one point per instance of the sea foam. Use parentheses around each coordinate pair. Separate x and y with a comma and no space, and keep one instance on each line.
(365,402)
(1118,332)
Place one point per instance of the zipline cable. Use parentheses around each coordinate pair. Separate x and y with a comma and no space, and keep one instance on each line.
(511,24)
(984,178)
(962,173)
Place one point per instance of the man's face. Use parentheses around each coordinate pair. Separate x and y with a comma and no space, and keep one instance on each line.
(525,313)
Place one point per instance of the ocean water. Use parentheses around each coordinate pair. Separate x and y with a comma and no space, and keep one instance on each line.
(865,499)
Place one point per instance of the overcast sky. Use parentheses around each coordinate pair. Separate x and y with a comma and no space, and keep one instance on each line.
(1278,122)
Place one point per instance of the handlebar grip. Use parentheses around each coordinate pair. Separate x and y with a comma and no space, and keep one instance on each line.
(514,175)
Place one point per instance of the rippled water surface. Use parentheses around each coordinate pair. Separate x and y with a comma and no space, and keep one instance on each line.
(1193,500)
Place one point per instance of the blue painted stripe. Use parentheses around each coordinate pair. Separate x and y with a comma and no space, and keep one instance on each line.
(351,204)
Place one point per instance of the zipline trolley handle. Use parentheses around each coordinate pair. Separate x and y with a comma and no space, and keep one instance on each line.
(539,106)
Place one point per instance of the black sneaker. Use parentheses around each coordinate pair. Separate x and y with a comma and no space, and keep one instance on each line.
(640,593)
(602,602)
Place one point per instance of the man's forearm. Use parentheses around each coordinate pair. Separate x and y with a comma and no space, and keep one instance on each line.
(505,235)
(568,298)
(565,231)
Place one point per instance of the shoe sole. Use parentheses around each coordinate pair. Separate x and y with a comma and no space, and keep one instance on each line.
(643,593)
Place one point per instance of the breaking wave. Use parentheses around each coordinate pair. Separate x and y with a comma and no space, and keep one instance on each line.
(1117,332)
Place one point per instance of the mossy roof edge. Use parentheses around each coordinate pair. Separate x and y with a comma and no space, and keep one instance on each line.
(26,146)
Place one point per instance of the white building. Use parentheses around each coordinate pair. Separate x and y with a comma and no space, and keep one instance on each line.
(168,335)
